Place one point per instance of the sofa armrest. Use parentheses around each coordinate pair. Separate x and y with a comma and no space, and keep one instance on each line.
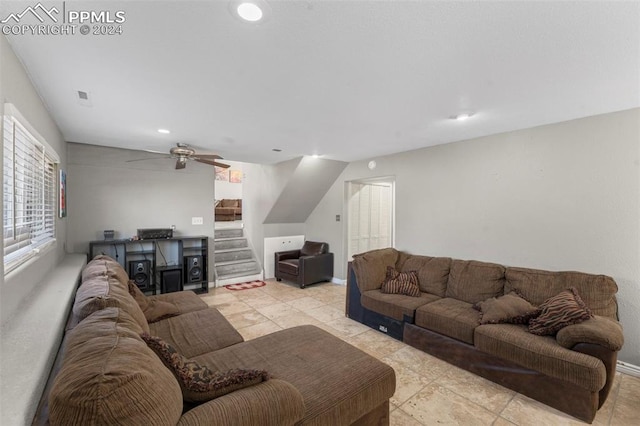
(597,330)
(274,402)
(289,254)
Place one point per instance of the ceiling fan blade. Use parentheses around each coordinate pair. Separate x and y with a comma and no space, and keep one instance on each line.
(155,152)
(212,163)
(209,156)
(149,158)
(180,164)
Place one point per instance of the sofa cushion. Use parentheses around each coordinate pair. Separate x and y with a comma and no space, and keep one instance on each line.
(401,283)
(451,317)
(185,301)
(541,353)
(597,291)
(271,403)
(289,266)
(110,376)
(198,332)
(395,306)
(433,273)
(510,308)
(370,268)
(153,310)
(199,383)
(229,203)
(312,248)
(559,311)
(335,393)
(472,281)
(102,291)
(105,265)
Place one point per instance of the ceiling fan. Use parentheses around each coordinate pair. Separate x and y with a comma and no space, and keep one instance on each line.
(183,153)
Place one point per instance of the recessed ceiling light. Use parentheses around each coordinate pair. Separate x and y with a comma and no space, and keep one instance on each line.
(165,131)
(249,11)
(316,155)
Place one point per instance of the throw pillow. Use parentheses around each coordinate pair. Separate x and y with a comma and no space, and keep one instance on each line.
(559,311)
(401,283)
(198,382)
(153,310)
(138,295)
(510,309)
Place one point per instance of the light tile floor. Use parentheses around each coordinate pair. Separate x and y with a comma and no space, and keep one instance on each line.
(428,391)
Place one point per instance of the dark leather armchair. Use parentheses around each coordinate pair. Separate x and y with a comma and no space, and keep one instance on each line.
(311,264)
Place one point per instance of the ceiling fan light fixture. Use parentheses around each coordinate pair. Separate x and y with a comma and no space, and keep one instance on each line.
(462,116)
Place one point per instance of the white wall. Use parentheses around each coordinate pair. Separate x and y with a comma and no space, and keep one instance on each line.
(229,190)
(261,187)
(107,192)
(17,89)
(560,197)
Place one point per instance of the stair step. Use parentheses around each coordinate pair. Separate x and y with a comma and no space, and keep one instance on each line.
(238,267)
(235,279)
(238,278)
(232,255)
(231,243)
(228,233)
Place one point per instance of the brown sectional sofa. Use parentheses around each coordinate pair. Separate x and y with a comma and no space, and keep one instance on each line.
(108,374)
(572,371)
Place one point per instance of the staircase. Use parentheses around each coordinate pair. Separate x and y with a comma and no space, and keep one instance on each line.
(234,260)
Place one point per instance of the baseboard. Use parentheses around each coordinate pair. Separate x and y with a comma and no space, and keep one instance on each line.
(338,281)
(626,368)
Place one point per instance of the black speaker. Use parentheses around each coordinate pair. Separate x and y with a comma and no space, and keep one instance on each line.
(140,273)
(193,269)
(170,280)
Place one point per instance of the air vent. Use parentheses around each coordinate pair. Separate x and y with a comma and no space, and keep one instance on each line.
(83,98)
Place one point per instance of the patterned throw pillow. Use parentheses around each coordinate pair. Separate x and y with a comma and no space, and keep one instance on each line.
(153,310)
(199,383)
(559,311)
(401,283)
(508,309)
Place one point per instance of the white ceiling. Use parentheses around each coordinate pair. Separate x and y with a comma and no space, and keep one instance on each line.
(346,79)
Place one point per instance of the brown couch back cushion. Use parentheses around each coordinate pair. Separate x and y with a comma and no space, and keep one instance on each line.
(229,203)
(100,292)
(312,248)
(597,291)
(110,376)
(105,265)
(433,272)
(371,267)
(472,281)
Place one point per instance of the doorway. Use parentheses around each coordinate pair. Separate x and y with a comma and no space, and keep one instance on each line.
(370,215)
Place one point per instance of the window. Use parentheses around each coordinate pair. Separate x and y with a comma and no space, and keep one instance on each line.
(29,188)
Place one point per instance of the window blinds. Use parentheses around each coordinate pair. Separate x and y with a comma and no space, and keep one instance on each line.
(29,199)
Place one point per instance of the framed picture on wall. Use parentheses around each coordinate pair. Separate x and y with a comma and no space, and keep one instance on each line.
(63,194)
(235,176)
(222,174)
